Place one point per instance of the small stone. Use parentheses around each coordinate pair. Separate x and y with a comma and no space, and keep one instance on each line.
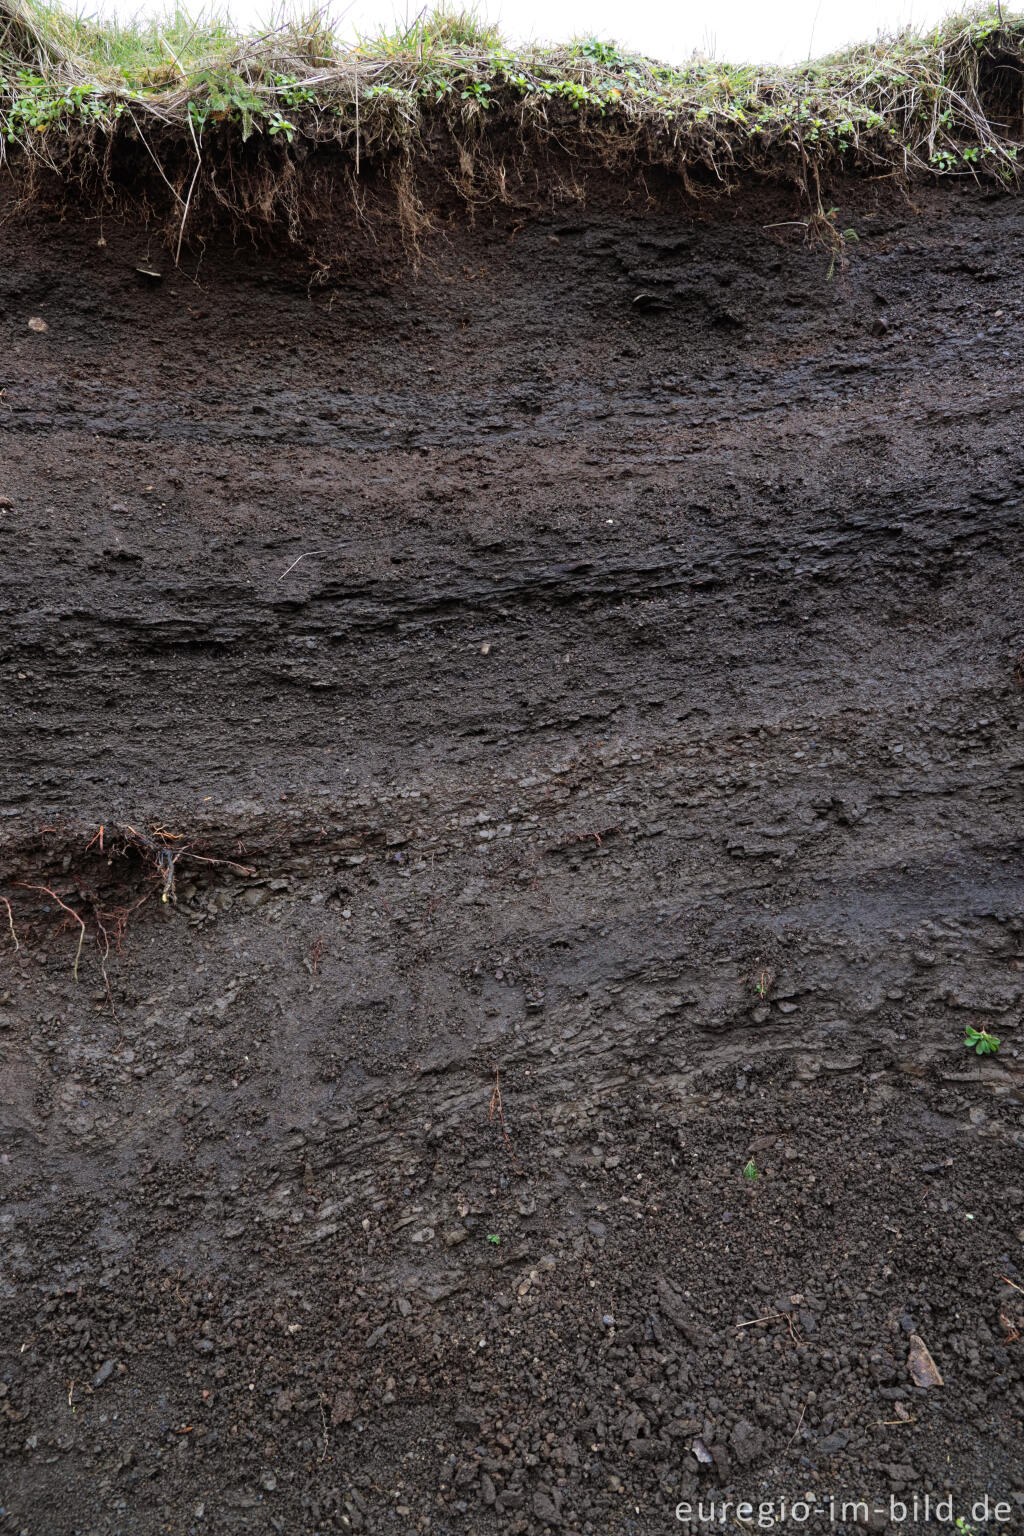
(38,324)
(544,1509)
(268,1481)
(923,1370)
(104,1373)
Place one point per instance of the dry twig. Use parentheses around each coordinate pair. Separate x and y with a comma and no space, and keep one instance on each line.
(495,1111)
(772,1317)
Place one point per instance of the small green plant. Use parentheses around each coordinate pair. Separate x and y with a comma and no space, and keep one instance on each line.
(963,1527)
(751,1172)
(492,1237)
(981,1041)
(602,53)
(478,90)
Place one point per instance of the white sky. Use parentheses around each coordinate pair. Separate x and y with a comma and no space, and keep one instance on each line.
(741,31)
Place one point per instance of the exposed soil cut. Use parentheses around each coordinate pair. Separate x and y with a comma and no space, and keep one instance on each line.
(589,666)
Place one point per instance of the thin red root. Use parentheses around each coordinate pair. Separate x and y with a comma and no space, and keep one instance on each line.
(71,913)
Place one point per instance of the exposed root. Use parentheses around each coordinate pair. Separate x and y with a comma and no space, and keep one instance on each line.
(496,1112)
(71,913)
(159,846)
(105,906)
(323,1421)
(10,921)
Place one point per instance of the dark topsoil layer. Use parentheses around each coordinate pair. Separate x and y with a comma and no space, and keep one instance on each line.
(597,653)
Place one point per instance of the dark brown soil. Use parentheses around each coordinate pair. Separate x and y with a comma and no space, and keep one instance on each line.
(597,654)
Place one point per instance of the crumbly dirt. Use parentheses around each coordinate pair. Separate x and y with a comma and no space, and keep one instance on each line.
(589,665)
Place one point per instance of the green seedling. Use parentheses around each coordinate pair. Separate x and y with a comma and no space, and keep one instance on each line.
(492,1237)
(751,1172)
(981,1041)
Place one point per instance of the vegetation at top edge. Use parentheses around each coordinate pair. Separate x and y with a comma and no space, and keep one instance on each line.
(947,100)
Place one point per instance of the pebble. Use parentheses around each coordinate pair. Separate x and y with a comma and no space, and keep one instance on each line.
(923,1370)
